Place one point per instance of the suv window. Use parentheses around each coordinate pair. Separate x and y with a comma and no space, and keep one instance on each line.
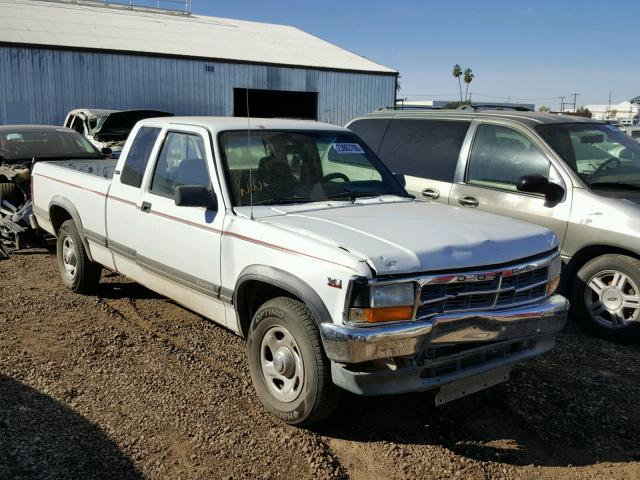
(500,156)
(138,156)
(371,130)
(182,161)
(424,148)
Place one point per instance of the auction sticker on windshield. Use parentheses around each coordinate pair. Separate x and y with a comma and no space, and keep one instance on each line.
(345,148)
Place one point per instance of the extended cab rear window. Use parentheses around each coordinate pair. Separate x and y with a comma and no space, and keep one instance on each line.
(138,156)
(424,148)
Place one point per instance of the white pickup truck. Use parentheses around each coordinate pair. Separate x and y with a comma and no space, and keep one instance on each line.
(294,235)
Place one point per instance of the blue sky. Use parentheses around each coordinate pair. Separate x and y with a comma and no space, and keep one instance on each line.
(533,50)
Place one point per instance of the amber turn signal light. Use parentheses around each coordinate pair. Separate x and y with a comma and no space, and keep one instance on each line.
(376,315)
(552,286)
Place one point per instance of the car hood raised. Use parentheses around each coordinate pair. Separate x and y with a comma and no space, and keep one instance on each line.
(405,237)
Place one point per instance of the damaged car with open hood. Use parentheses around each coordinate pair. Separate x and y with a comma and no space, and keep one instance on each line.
(20,147)
(108,130)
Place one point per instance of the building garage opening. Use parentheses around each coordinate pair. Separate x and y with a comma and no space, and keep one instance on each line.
(275,103)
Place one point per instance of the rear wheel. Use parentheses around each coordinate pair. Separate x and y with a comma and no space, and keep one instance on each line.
(606,296)
(290,372)
(78,273)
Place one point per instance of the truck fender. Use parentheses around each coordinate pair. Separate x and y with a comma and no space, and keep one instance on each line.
(285,281)
(62,202)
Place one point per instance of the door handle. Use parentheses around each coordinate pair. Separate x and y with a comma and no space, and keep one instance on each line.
(431,193)
(469,201)
(146,207)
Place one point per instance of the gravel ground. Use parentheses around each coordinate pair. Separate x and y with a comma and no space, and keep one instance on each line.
(126,384)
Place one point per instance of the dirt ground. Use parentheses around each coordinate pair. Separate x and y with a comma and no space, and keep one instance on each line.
(126,384)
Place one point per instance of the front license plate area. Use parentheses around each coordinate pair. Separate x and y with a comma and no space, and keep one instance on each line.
(467,386)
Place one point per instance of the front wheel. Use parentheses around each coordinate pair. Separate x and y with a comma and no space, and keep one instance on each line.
(289,370)
(78,273)
(606,296)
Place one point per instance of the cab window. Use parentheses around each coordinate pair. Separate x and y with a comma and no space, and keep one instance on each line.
(500,156)
(138,156)
(182,161)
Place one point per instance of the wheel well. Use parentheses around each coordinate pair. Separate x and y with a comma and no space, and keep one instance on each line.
(251,295)
(591,252)
(58,216)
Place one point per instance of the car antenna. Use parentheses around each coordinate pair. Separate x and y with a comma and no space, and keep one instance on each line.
(250,166)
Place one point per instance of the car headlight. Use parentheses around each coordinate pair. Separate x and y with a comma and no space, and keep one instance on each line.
(383,303)
(555,268)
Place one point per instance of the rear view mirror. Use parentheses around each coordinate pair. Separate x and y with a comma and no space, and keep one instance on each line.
(590,139)
(552,192)
(195,196)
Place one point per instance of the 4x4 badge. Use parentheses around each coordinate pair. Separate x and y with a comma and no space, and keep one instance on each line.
(334,282)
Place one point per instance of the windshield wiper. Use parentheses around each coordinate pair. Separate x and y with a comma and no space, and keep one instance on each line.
(623,186)
(353,196)
(283,201)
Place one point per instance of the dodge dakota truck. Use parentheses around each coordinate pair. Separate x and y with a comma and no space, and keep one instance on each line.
(294,235)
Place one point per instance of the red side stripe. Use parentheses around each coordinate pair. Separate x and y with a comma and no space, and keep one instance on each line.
(203,227)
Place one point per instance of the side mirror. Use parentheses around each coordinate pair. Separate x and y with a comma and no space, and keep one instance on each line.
(401,180)
(195,196)
(552,192)
(106,151)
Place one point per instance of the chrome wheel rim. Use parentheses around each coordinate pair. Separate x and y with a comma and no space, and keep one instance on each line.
(281,364)
(69,258)
(612,299)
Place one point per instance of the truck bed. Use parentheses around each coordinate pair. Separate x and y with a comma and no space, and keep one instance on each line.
(80,185)
(101,168)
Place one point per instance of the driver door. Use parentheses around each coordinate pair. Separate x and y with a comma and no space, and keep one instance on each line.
(179,246)
(498,157)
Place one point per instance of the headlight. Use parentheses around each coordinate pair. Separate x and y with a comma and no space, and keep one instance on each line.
(555,268)
(384,303)
(398,294)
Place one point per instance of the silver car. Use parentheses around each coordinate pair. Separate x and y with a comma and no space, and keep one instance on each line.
(576,176)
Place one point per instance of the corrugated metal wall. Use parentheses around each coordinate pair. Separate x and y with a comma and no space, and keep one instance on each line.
(42,85)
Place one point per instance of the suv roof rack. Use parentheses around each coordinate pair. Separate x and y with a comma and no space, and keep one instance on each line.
(494,106)
(410,107)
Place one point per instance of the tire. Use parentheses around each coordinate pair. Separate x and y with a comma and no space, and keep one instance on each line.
(9,192)
(606,298)
(78,273)
(287,326)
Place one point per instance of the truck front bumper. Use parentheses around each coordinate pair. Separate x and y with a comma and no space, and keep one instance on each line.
(443,349)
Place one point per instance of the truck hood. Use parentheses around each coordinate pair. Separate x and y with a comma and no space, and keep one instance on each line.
(406,237)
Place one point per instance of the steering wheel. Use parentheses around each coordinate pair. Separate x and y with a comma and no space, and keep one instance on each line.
(604,166)
(331,176)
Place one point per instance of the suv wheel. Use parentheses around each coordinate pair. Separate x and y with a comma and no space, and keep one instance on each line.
(606,296)
(289,370)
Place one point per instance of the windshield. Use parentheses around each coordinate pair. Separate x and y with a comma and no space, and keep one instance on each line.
(276,167)
(50,143)
(602,155)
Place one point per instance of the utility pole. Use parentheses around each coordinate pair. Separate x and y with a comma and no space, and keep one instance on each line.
(561,104)
(608,106)
(575,95)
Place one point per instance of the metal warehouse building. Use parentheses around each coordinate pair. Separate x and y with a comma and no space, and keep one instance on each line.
(59,55)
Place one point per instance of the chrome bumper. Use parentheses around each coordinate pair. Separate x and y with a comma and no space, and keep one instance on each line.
(345,344)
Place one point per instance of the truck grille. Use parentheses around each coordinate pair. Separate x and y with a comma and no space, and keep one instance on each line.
(481,290)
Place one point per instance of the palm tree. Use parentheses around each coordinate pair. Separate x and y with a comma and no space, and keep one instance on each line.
(457,73)
(468,78)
